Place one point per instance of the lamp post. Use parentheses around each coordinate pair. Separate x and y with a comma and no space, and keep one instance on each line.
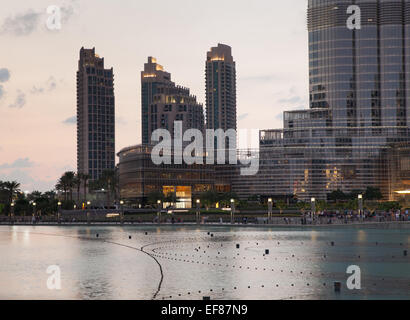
(88,213)
(34,212)
(12,213)
(59,212)
(159,211)
(360,198)
(198,210)
(270,205)
(313,206)
(122,212)
(232,211)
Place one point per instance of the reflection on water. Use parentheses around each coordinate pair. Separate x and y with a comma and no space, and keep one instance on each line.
(300,264)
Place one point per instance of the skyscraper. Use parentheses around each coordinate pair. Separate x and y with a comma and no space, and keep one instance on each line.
(95,115)
(361,75)
(359,84)
(220,88)
(164,102)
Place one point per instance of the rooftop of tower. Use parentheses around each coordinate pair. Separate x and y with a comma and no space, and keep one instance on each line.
(222,52)
(153,70)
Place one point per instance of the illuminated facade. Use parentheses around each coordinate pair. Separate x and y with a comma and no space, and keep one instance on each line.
(220,90)
(139,177)
(398,159)
(95,115)
(163,103)
(359,83)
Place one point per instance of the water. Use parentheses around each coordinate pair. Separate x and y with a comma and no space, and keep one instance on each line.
(301,264)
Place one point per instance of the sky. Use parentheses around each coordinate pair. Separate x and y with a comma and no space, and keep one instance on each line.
(38,68)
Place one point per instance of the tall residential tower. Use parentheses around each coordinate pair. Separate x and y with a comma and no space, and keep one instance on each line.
(95,115)
(220,88)
(164,102)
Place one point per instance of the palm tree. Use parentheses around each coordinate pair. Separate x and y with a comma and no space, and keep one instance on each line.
(85,178)
(171,198)
(303,206)
(281,205)
(34,195)
(50,194)
(154,196)
(12,188)
(209,198)
(77,182)
(66,183)
(109,181)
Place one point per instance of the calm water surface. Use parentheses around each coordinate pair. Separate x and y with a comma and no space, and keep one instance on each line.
(301,264)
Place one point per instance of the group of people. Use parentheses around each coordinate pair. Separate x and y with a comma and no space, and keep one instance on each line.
(349,216)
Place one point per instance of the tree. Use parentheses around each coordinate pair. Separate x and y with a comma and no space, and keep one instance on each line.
(66,183)
(85,178)
(109,181)
(321,205)
(50,194)
(371,206)
(209,198)
(352,204)
(34,196)
(372,193)
(281,205)
(171,198)
(390,205)
(12,188)
(303,206)
(337,196)
(225,198)
(77,183)
(153,197)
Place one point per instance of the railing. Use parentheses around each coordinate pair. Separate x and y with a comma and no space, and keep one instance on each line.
(205,219)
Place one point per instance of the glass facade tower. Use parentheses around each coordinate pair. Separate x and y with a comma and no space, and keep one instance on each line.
(359,86)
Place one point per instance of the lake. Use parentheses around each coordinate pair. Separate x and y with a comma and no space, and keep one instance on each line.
(188,262)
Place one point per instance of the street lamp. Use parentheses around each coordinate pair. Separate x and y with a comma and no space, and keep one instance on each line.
(313,205)
(88,213)
(270,205)
(59,212)
(122,211)
(232,211)
(159,211)
(360,198)
(198,210)
(12,212)
(34,212)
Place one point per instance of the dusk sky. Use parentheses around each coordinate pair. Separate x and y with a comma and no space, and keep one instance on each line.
(38,68)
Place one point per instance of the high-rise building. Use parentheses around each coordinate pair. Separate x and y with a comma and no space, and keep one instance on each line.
(220,88)
(359,82)
(163,103)
(95,115)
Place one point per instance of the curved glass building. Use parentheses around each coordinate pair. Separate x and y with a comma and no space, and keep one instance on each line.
(359,86)
(361,75)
